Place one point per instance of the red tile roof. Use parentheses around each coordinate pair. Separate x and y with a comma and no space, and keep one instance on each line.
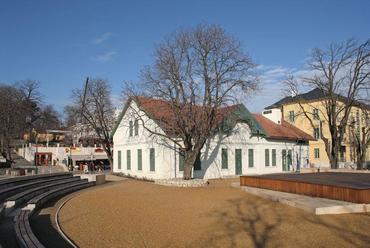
(284,130)
(162,112)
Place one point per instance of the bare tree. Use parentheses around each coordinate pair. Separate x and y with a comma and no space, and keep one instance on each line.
(342,73)
(10,118)
(197,72)
(359,135)
(93,107)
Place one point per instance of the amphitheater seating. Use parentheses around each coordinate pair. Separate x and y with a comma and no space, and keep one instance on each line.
(30,193)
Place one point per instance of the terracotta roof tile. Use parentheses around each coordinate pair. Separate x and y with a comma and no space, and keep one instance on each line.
(283,131)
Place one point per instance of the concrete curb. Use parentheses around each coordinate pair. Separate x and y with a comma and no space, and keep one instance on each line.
(64,236)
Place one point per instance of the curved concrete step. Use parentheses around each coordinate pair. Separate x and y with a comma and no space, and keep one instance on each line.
(8,182)
(17,199)
(9,191)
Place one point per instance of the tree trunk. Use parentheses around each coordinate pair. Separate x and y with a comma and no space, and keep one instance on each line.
(190,157)
(108,151)
(334,154)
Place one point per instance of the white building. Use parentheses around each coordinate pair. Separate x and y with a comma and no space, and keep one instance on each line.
(255,145)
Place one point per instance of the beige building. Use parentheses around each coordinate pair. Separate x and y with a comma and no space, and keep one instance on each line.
(307,112)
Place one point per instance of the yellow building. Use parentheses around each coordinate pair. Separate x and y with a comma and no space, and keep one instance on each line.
(307,112)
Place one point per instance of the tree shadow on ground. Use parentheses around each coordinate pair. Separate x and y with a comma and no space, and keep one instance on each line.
(340,226)
(243,224)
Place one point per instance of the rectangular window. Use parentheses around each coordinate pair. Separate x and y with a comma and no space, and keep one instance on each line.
(128,157)
(152,159)
(119,160)
(316,114)
(267,157)
(291,116)
(181,162)
(316,133)
(139,159)
(136,124)
(317,153)
(273,155)
(198,163)
(225,162)
(130,128)
(290,158)
(250,158)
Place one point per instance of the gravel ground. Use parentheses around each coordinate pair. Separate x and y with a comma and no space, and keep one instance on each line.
(133,213)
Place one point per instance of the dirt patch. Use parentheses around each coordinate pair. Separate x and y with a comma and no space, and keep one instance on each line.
(132,213)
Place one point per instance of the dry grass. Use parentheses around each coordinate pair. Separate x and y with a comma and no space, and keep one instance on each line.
(140,214)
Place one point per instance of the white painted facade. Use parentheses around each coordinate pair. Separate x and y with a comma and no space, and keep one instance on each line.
(167,159)
(273,114)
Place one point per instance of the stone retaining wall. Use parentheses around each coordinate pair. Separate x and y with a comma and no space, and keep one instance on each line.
(177,182)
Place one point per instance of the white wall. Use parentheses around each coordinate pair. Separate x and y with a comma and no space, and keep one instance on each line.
(167,161)
(273,114)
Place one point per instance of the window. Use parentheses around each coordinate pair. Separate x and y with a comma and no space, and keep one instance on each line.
(267,157)
(273,155)
(250,158)
(136,124)
(181,162)
(139,159)
(291,116)
(198,163)
(130,128)
(152,159)
(224,156)
(316,132)
(317,153)
(316,114)
(290,159)
(119,160)
(128,159)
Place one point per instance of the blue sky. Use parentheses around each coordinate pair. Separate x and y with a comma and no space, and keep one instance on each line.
(59,43)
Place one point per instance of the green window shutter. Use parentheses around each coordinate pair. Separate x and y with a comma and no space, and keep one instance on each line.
(119,160)
(152,159)
(139,160)
(250,158)
(181,162)
(267,157)
(128,159)
(224,163)
(198,163)
(136,124)
(273,154)
(130,128)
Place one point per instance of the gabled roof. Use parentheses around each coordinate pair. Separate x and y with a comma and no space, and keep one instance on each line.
(284,130)
(315,94)
(162,113)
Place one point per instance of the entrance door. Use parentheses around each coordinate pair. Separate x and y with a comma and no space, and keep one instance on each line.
(284,160)
(238,161)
